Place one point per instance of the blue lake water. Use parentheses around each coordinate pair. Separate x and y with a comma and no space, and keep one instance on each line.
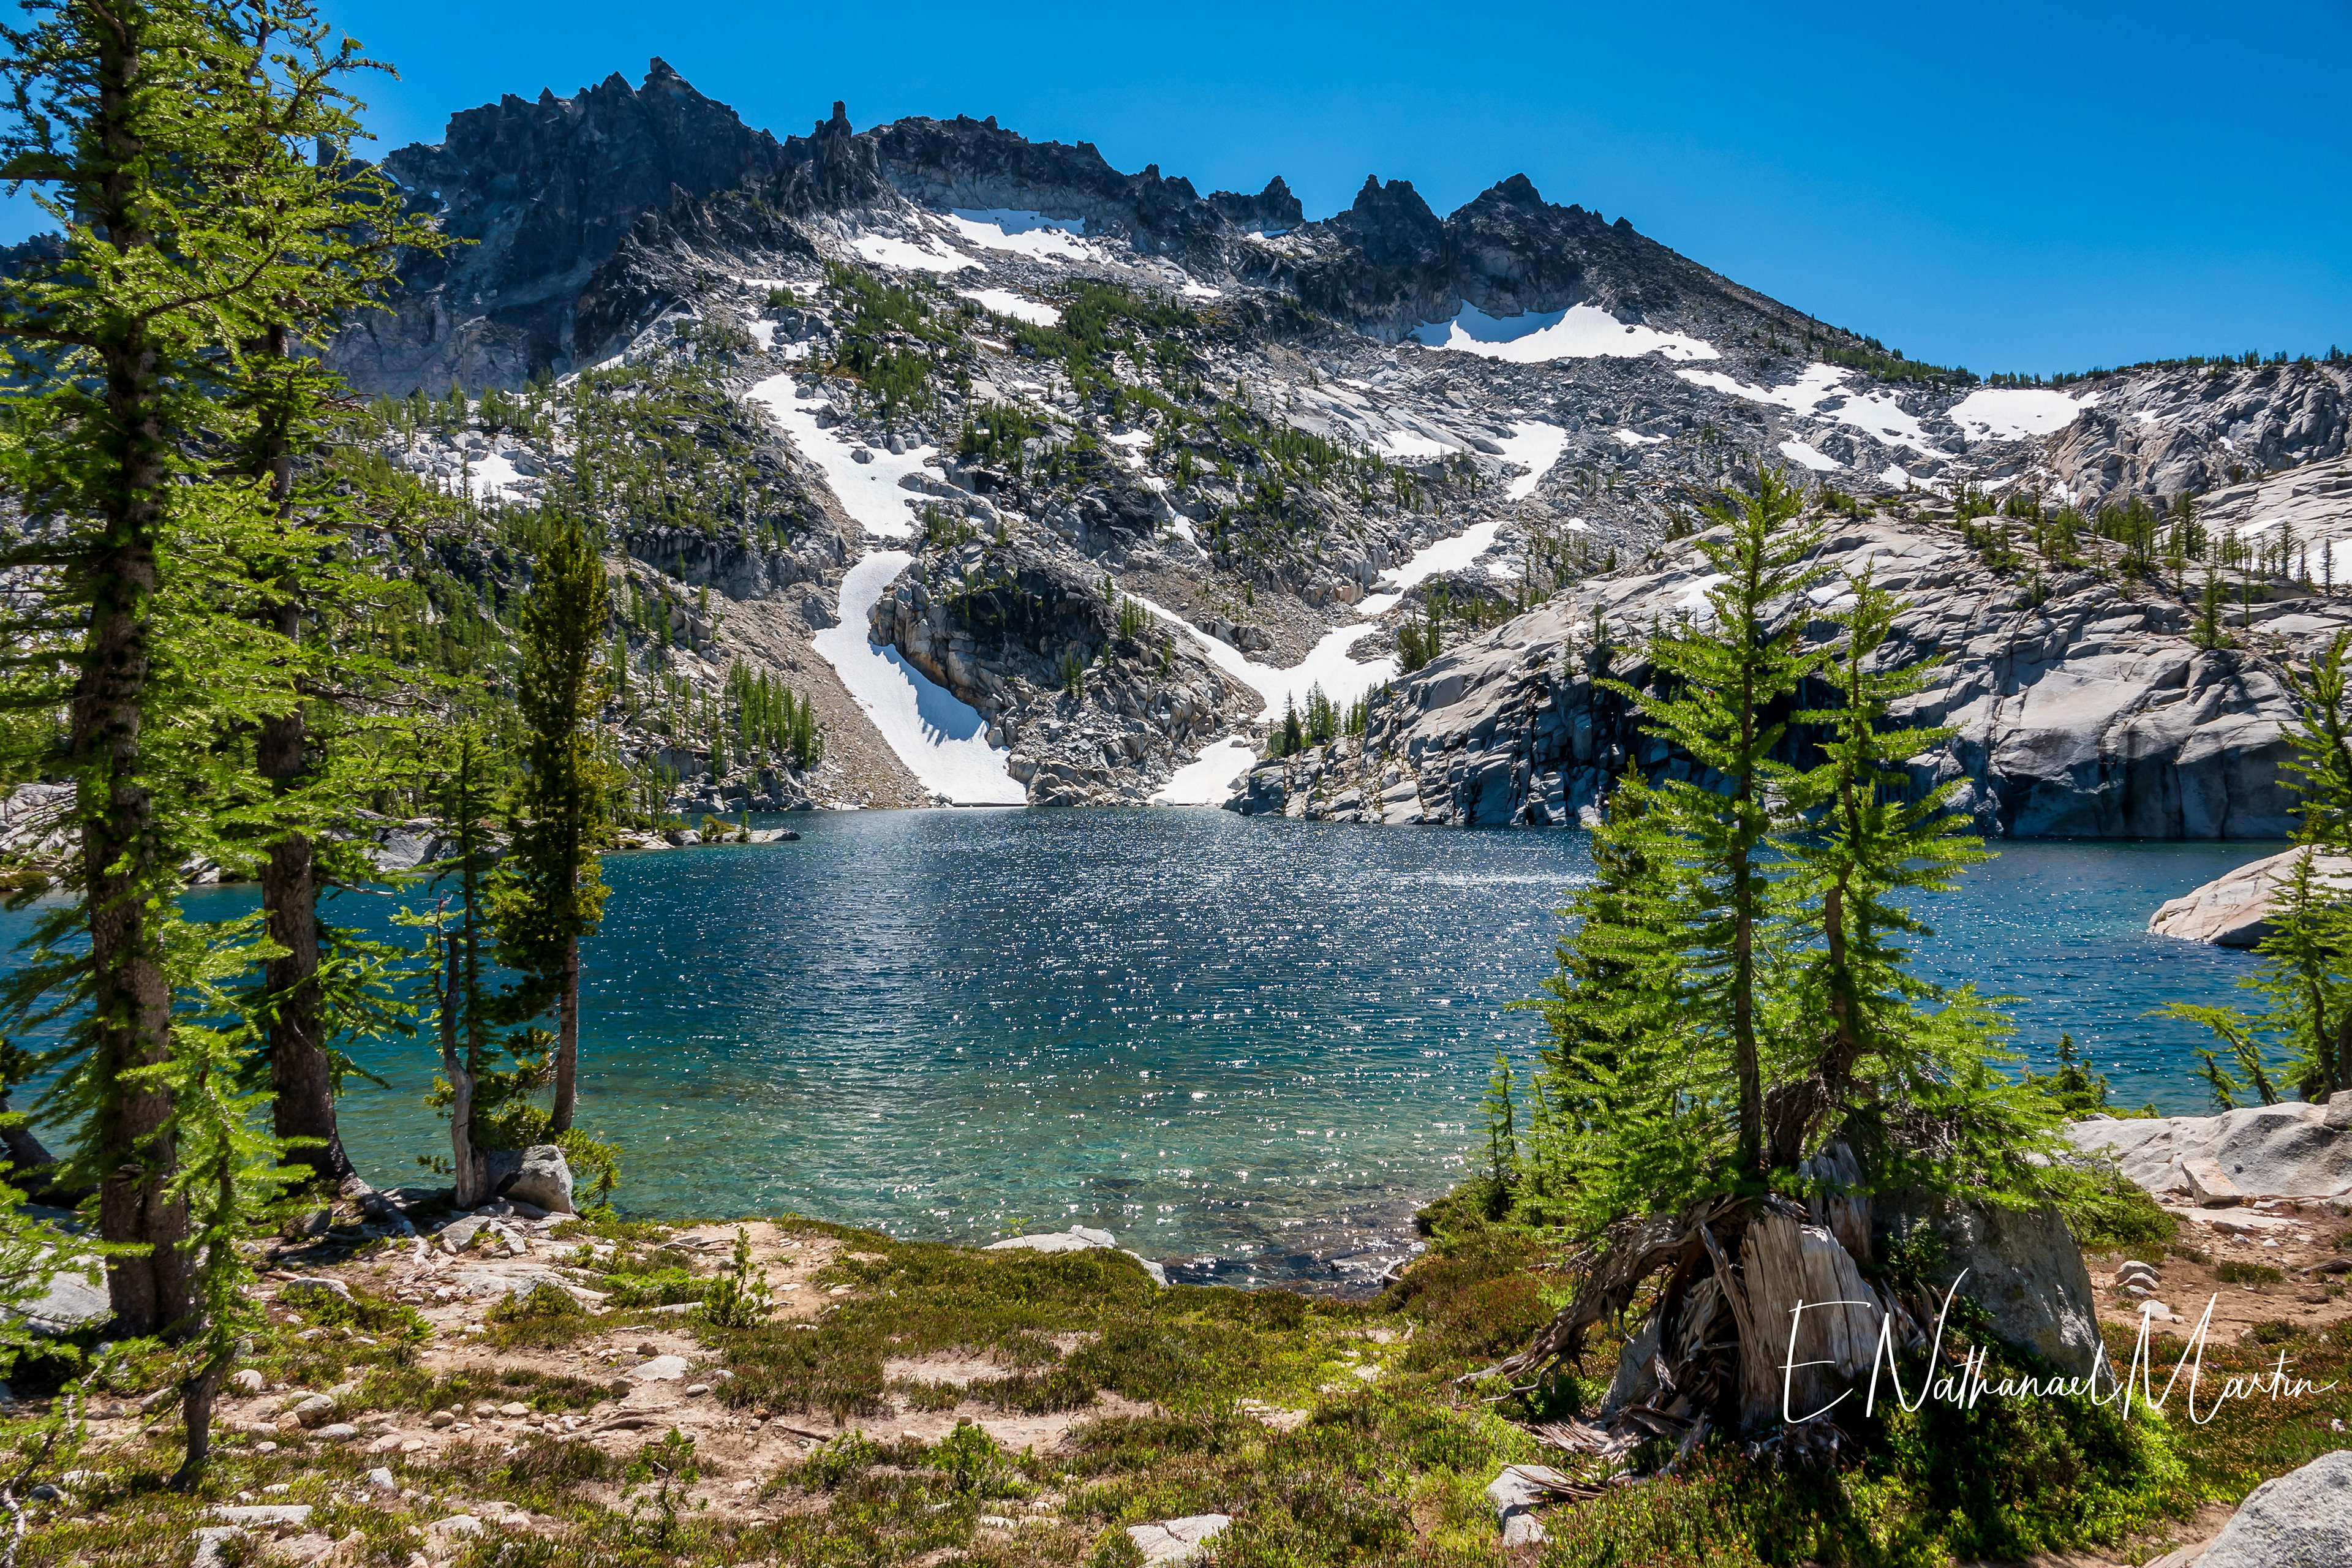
(1247,1041)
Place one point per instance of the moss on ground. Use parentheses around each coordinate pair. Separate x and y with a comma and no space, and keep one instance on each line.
(1332,1432)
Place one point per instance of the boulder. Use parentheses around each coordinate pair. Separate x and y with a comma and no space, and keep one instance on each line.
(1514,1495)
(2235,909)
(317,1410)
(542,1180)
(2023,1267)
(2208,1184)
(1177,1540)
(2300,1520)
(2258,1151)
(73,1301)
(1077,1238)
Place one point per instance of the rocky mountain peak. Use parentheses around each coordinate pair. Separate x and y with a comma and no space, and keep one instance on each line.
(1272,210)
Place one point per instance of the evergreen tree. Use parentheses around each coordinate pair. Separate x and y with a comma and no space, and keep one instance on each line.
(1720,696)
(142,130)
(2306,975)
(333,262)
(551,897)
(1734,1020)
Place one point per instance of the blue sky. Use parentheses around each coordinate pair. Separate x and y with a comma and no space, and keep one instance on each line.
(2011,187)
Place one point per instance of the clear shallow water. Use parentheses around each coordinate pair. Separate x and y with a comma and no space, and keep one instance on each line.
(1245,1043)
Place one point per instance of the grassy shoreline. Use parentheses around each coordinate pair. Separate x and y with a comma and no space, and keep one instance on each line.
(918,1403)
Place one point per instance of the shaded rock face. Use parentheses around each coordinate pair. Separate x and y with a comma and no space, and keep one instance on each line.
(2089,714)
(1272,210)
(547,191)
(2022,1267)
(976,164)
(733,565)
(1507,252)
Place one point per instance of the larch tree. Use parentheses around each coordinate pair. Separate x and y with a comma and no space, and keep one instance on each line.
(551,896)
(1740,1055)
(163,138)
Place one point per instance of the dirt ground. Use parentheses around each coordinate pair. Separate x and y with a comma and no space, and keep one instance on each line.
(2305,1242)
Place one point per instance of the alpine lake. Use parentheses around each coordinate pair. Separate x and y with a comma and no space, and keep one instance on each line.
(1248,1047)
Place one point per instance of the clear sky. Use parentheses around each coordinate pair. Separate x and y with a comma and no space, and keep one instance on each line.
(2033,187)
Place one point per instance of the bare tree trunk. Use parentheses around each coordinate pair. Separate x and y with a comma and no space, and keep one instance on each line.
(301,1074)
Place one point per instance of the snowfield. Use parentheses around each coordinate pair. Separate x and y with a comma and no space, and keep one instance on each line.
(1006,302)
(907,257)
(943,743)
(1032,235)
(1454,554)
(494,477)
(1211,780)
(1535,446)
(1409,447)
(869,492)
(2015,413)
(1580,332)
(1806,456)
(1822,391)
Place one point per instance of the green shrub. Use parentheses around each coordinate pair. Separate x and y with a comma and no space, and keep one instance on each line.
(2230,1271)
(545,1317)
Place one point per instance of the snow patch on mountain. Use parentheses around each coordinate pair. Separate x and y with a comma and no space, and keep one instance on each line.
(908,257)
(1210,780)
(868,491)
(1822,391)
(1327,665)
(1807,457)
(1006,302)
(1032,235)
(1580,332)
(494,477)
(2015,413)
(1409,446)
(943,743)
(1455,554)
(1535,446)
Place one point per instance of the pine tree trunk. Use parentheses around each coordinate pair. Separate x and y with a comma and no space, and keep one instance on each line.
(468,1168)
(301,1076)
(131,1144)
(130,1001)
(567,1038)
(198,1397)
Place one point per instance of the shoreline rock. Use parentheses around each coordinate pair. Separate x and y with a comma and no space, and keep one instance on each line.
(2234,910)
(2293,1150)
